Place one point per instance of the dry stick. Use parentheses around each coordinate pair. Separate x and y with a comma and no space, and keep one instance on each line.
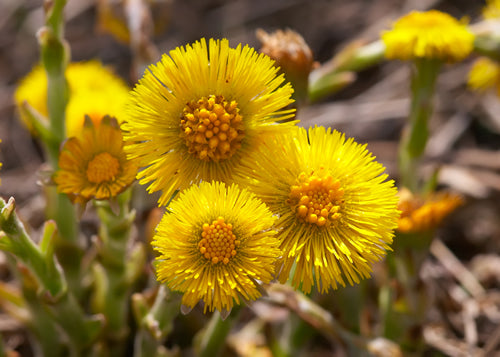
(454,266)
(492,342)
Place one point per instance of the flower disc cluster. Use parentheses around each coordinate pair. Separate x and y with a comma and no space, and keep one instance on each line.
(216,244)
(93,90)
(199,110)
(336,211)
(431,34)
(94,165)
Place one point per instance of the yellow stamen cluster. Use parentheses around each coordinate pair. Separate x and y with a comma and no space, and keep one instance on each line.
(212,128)
(218,242)
(103,167)
(316,200)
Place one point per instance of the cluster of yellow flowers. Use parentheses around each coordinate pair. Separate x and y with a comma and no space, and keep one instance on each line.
(260,198)
(258,194)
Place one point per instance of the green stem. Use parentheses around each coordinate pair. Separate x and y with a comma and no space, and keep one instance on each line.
(55,54)
(155,322)
(113,286)
(214,336)
(415,135)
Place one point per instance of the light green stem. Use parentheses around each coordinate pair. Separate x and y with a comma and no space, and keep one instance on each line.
(415,135)
(213,340)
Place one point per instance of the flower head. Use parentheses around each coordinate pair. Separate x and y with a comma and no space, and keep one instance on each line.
(424,214)
(197,112)
(431,34)
(93,165)
(336,211)
(94,91)
(484,74)
(492,9)
(216,244)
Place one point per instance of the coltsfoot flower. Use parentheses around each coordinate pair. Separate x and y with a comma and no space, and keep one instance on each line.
(198,111)
(336,210)
(216,244)
(484,74)
(492,9)
(94,90)
(421,214)
(430,34)
(94,165)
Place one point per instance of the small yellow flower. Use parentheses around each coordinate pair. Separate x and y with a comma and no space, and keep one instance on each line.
(431,34)
(424,214)
(336,210)
(94,91)
(197,112)
(492,9)
(93,165)
(216,244)
(484,74)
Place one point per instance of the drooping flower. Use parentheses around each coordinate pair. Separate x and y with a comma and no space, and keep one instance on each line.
(94,165)
(198,111)
(216,244)
(422,214)
(94,90)
(336,210)
(430,34)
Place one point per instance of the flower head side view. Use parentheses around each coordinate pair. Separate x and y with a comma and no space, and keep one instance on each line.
(336,210)
(216,244)
(94,91)
(94,165)
(430,34)
(198,111)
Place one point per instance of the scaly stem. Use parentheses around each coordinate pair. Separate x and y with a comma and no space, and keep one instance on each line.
(412,145)
(214,336)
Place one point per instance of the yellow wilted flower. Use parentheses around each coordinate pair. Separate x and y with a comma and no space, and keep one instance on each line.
(93,165)
(216,244)
(93,90)
(198,111)
(423,214)
(336,210)
(431,34)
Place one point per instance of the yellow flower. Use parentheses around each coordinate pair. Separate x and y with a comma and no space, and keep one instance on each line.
(197,112)
(423,214)
(216,244)
(431,34)
(484,74)
(492,9)
(94,91)
(93,165)
(336,211)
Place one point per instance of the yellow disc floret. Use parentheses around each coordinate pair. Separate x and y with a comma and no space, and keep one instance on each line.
(316,200)
(212,128)
(103,167)
(218,242)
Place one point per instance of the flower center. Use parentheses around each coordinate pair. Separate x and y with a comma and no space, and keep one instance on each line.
(316,199)
(103,167)
(218,243)
(212,128)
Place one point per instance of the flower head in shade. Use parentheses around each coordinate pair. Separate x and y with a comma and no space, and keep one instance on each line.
(420,214)
(198,111)
(94,165)
(93,90)
(216,244)
(336,210)
(431,34)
